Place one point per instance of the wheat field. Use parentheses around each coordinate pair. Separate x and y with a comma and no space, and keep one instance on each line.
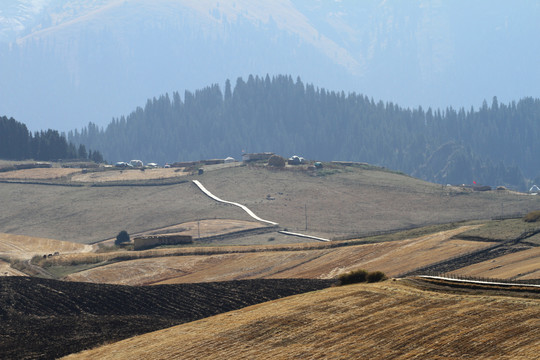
(388,320)
(24,247)
(520,265)
(394,258)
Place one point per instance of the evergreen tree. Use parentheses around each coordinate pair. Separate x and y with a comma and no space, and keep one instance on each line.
(288,117)
(81,153)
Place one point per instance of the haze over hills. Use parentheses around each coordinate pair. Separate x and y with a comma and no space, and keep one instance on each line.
(65,63)
(494,145)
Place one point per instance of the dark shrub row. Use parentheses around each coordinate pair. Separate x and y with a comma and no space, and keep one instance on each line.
(359,276)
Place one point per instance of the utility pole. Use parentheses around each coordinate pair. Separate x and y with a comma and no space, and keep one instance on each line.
(305,212)
(198,230)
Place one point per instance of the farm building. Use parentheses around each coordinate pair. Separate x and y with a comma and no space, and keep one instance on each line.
(296,160)
(256,156)
(146,242)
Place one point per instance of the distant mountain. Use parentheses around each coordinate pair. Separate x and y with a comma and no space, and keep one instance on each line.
(67,62)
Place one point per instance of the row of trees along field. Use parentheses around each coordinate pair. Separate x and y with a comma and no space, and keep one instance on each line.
(17,143)
(493,145)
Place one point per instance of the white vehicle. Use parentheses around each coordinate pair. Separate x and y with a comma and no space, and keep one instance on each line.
(136,163)
(122,164)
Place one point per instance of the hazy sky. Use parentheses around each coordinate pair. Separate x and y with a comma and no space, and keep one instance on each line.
(65,63)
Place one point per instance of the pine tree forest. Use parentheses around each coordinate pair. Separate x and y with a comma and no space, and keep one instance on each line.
(492,145)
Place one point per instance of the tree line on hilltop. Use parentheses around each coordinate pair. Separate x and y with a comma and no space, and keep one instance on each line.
(493,145)
(17,143)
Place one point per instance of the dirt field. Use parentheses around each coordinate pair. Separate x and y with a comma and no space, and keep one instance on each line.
(129,175)
(521,265)
(379,321)
(24,247)
(206,228)
(38,174)
(393,258)
(46,319)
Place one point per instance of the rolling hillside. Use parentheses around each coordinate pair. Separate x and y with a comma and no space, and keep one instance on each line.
(389,320)
(344,201)
(46,319)
(278,262)
(24,247)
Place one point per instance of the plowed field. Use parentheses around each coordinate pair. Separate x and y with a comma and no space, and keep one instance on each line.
(46,319)
(378,321)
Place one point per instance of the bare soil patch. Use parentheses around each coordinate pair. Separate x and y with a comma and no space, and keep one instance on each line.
(376,321)
(129,175)
(39,174)
(46,319)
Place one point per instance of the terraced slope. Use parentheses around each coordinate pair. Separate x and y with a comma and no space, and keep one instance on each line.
(521,265)
(393,258)
(46,319)
(378,321)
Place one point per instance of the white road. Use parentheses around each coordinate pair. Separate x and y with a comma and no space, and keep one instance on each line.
(252,214)
(476,281)
(243,207)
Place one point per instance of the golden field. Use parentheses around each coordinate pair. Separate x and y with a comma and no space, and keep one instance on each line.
(24,247)
(522,265)
(294,261)
(389,320)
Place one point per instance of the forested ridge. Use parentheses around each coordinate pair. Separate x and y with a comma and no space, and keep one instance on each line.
(17,143)
(492,145)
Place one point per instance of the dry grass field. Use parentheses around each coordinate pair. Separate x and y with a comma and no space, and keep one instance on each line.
(343,202)
(129,175)
(24,247)
(387,320)
(521,265)
(7,270)
(39,174)
(502,230)
(201,229)
(91,214)
(394,258)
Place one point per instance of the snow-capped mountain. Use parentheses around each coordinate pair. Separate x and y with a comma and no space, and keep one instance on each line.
(66,62)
